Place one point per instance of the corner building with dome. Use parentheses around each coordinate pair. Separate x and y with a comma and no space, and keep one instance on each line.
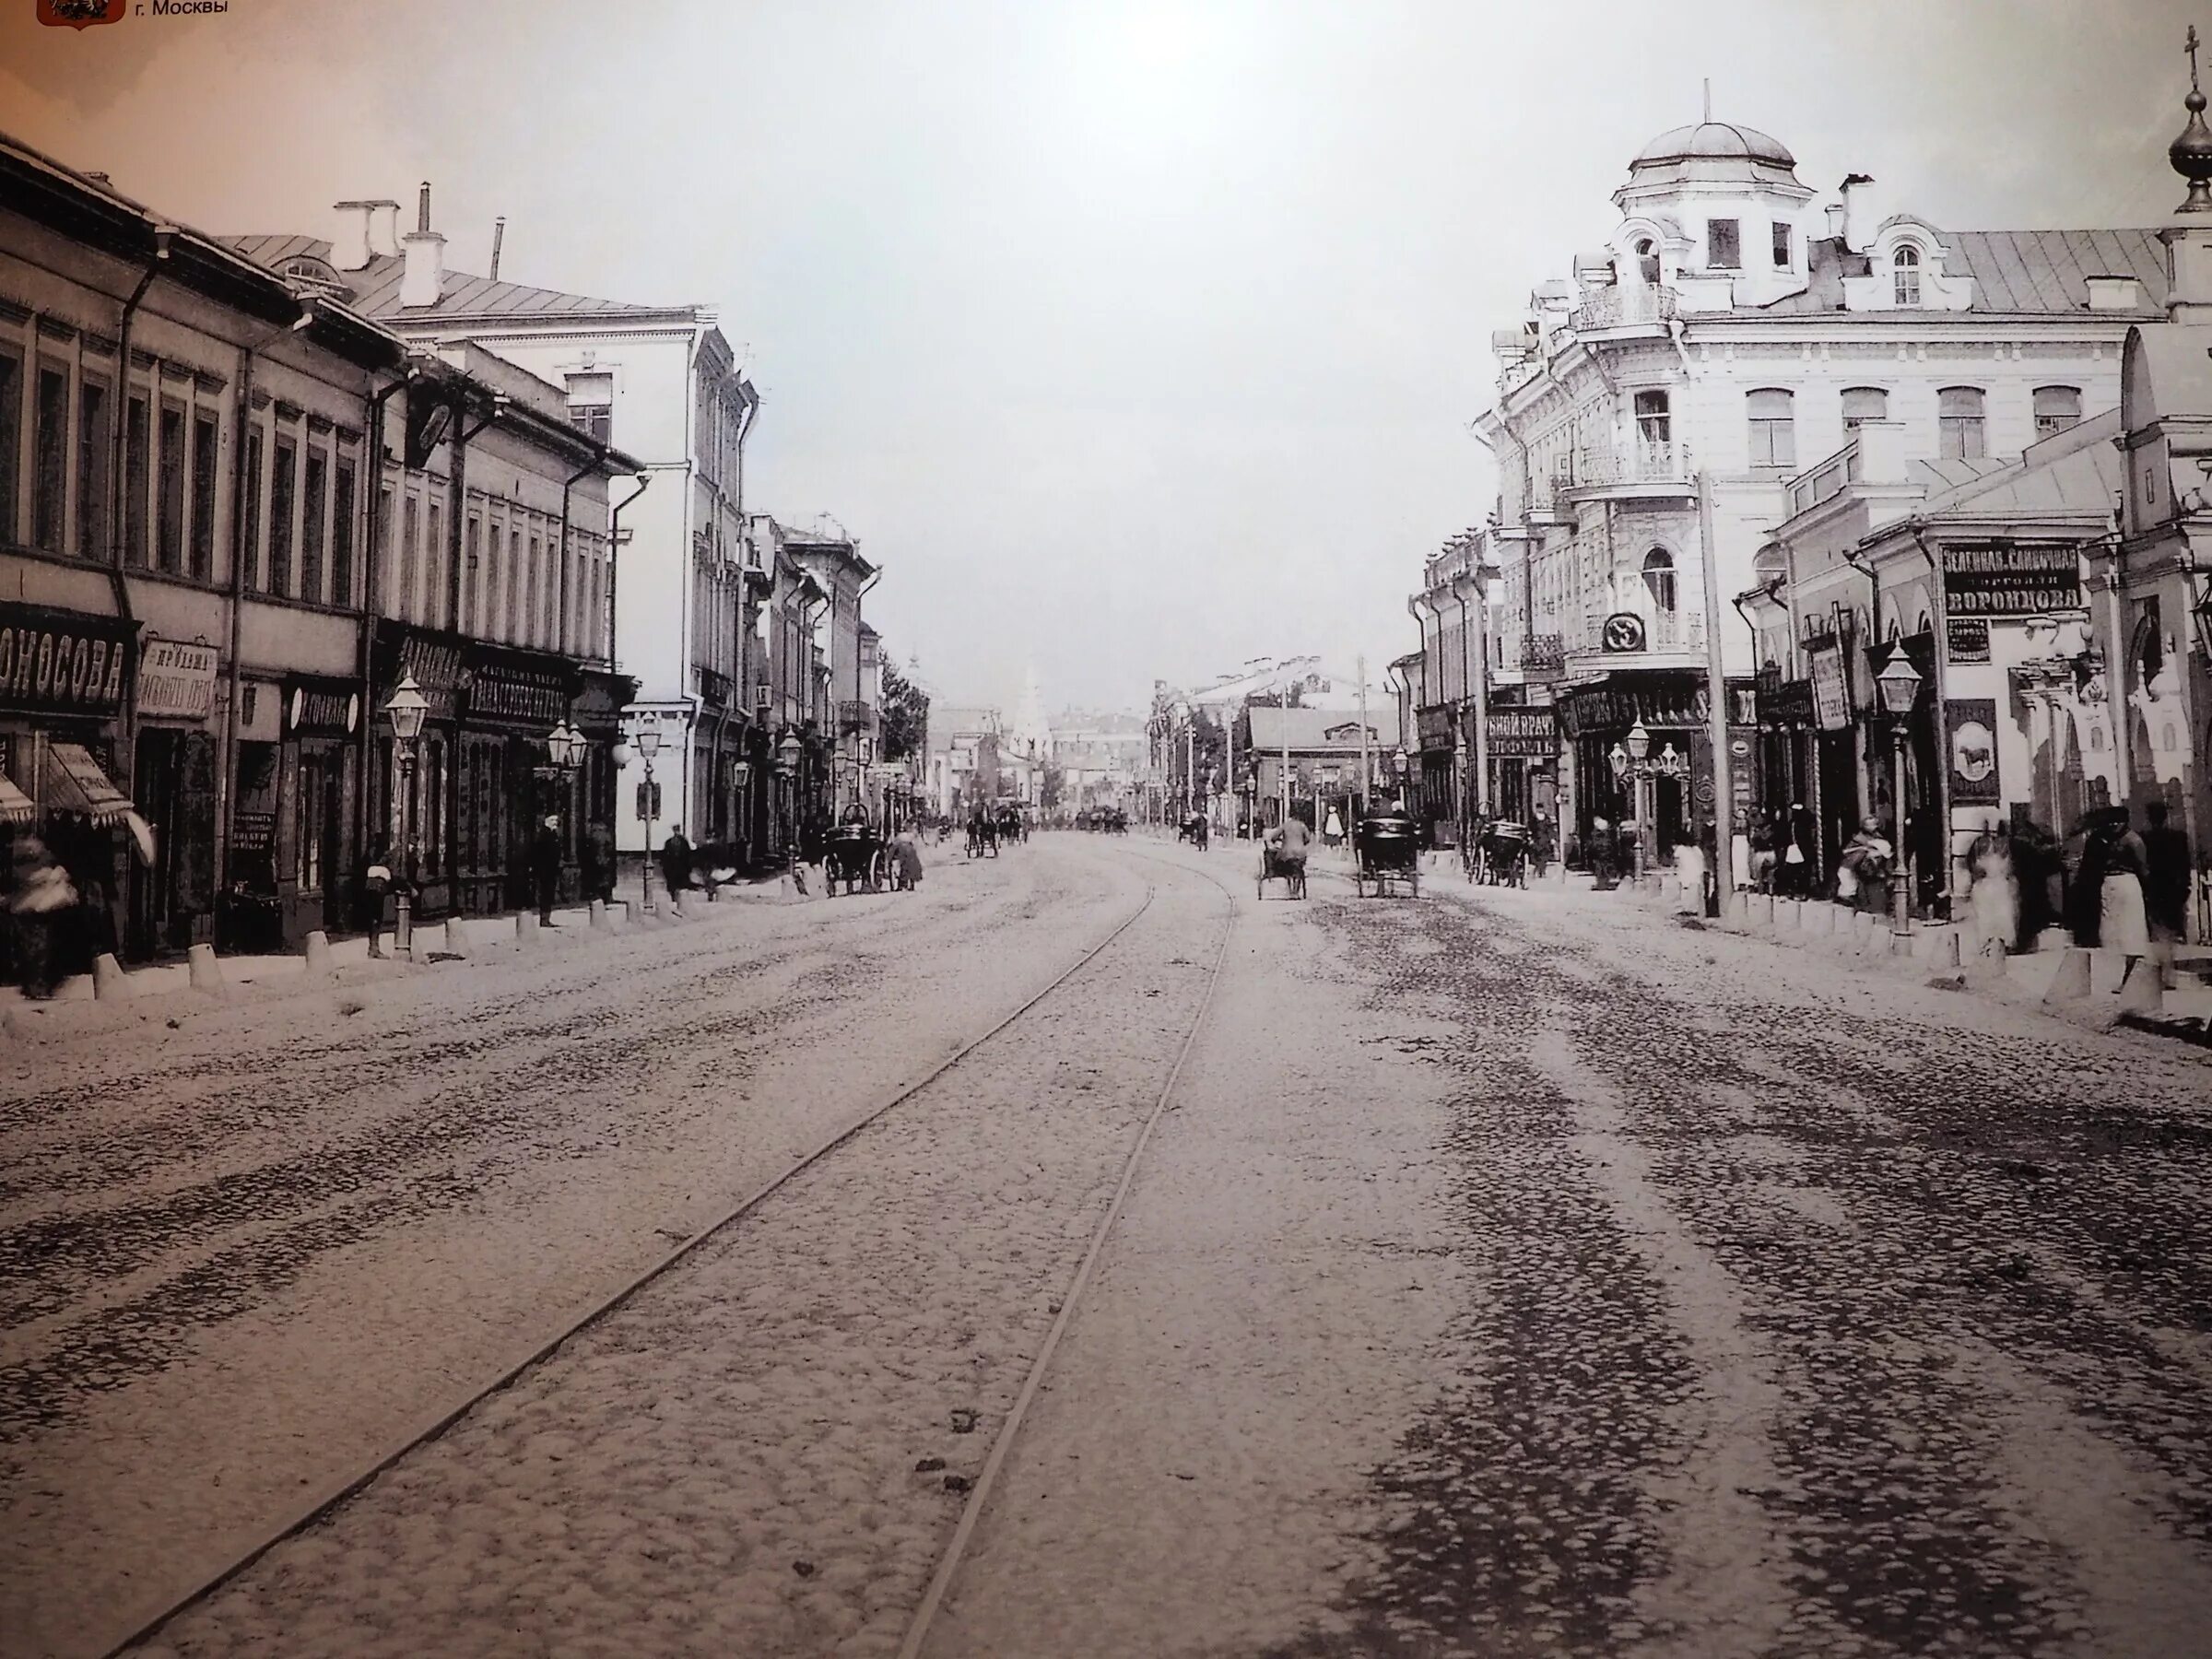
(1741,325)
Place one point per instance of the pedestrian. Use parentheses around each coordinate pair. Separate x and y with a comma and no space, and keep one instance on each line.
(1863,871)
(2117,854)
(1709,843)
(546,859)
(1602,853)
(1541,844)
(40,897)
(906,856)
(2166,879)
(1764,859)
(675,864)
(1332,830)
(1994,898)
(599,864)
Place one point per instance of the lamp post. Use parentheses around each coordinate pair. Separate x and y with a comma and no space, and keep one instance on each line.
(406,710)
(648,745)
(1637,767)
(1899,683)
(787,767)
(564,745)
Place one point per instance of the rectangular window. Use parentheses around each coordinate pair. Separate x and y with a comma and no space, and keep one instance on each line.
(514,583)
(50,464)
(205,445)
(169,551)
(1958,423)
(1863,404)
(382,553)
(251,543)
(11,437)
(311,526)
(409,536)
(472,576)
(2056,409)
(537,549)
(1773,428)
(1723,248)
(590,404)
(93,469)
(284,489)
(433,569)
(137,467)
(1781,246)
(341,535)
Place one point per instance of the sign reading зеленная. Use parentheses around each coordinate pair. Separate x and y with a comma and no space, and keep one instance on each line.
(2011,579)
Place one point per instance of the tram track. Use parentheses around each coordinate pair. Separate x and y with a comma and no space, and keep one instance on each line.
(326,1502)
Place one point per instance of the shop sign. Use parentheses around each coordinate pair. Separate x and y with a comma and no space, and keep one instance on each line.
(1971,726)
(1968,639)
(176,681)
(1623,632)
(1787,704)
(1678,705)
(534,697)
(309,710)
(2007,578)
(62,661)
(1524,733)
(436,667)
(1831,697)
(1435,727)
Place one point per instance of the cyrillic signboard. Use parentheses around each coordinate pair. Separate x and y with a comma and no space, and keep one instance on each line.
(2009,578)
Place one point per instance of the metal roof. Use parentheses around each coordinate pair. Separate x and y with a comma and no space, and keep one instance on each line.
(2015,273)
(376,287)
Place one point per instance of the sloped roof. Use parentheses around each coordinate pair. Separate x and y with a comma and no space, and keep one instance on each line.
(2074,472)
(376,287)
(1309,729)
(2015,273)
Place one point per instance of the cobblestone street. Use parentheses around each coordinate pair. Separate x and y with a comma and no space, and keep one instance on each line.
(1507,1273)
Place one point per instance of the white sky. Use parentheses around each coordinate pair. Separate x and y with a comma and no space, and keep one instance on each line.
(1140,337)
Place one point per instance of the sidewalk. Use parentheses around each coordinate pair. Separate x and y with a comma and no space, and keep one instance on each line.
(2094,988)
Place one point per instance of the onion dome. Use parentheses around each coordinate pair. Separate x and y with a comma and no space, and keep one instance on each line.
(2192,152)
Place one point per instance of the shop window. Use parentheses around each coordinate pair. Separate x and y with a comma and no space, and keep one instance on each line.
(50,469)
(11,430)
(138,483)
(251,577)
(313,793)
(341,534)
(1863,404)
(204,454)
(2056,409)
(1904,277)
(94,468)
(315,489)
(1959,426)
(1724,246)
(169,547)
(283,502)
(1773,419)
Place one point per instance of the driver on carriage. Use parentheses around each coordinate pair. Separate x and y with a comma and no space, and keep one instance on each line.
(1288,841)
(855,813)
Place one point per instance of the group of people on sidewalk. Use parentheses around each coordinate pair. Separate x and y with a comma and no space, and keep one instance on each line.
(2109,884)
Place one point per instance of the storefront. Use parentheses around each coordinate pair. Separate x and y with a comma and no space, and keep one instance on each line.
(418,823)
(1523,749)
(300,845)
(1434,796)
(506,781)
(1673,707)
(173,784)
(63,678)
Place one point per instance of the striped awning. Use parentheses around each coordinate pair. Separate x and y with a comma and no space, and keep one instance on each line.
(76,783)
(14,805)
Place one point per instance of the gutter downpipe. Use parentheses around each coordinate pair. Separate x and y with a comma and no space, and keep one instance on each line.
(117,532)
(227,765)
(1938,649)
(1855,558)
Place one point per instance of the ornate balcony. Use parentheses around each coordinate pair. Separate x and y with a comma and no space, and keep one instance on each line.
(856,717)
(1645,468)
(1632,306)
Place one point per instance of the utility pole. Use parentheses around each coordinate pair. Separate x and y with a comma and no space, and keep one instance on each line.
(1360,667)
(1716,682)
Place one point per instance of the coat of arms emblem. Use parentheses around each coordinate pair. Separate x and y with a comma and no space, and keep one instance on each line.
(79,13)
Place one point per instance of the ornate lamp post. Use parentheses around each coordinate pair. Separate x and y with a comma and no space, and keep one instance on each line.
(1899,683)
(406,710)
(648,744)
(1637,767)
(787,767)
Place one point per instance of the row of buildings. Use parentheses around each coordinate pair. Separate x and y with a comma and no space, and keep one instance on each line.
(1804,441)
(1270,737)
(252,484)
(1067,763)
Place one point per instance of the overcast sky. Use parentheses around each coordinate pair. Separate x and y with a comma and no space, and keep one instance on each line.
(1139,338)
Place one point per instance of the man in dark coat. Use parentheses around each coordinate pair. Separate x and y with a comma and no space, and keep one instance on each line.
(2166,884)
(546,859)
(675,862)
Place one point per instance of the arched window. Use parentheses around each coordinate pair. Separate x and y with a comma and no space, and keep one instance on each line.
(1773,428)
(1862,404)
(1958,423)
(1647,260)
(2056,409)
(1905,275)
(1659,580)
(1771,564)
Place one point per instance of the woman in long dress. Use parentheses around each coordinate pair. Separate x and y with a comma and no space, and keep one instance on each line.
(2123,924)
(1995,898)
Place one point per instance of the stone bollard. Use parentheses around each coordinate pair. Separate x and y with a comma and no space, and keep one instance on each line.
(2108,972)
(206,972)
(319,965)
(108,981)
(1760,909)
(2071,983)
(456,937)
(600,919)
(2143,989)
(526,928)
(1819,918)
(1733,912)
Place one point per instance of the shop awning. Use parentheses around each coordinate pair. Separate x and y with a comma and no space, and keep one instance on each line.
(76,783)
(14,805)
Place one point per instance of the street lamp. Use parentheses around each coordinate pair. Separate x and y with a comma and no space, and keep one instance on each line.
(648,743)
(1899,684)
(406,710)
(1637,767)
(566,745)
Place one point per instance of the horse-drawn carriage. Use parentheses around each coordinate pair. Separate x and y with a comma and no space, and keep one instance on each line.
(1497,854)
(1013,824)
(1291,872)
(856,856)
(1194,829)
(1386,848)
(983,835)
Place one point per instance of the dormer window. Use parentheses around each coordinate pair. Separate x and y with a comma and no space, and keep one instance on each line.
(1724,246)
(1647,260)
(1905,276)
(1781,245)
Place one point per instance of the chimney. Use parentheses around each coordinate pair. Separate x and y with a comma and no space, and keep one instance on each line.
(1857,213)
(2115,293)
(423,281)
(1835,220)
(383,229)
(349,247)
(422,208)
(499,235)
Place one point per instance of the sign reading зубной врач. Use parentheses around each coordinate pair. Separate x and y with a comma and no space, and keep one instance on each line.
(2011,579)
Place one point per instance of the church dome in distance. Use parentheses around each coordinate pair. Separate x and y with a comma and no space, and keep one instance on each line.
(1713,141)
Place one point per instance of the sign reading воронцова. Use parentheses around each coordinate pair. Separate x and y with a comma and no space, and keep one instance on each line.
(2011,579)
